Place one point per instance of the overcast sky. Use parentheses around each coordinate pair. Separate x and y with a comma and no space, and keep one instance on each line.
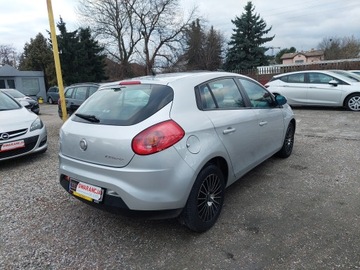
(302,24)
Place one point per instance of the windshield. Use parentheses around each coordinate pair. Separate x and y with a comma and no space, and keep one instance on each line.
(124,106)
(7,103)
(14,93)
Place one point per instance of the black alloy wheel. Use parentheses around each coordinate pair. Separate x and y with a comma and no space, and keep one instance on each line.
(288,144)
(205,200)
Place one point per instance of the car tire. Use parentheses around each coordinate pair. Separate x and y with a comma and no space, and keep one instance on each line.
(288,143)
(205,201)
(50,100)
(352,102)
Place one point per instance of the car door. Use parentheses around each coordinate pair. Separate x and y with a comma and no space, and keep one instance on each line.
(320,92)
(270,122)
(235,125)
(292,86)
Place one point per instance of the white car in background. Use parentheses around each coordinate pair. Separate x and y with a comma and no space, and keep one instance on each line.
(357,72)
(21,131)
(317,88)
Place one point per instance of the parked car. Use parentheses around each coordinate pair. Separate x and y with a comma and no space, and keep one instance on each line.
(168,145)
(75,95)
(357,72)
(53,95)
(317,88)
(21,132)
(32,105)
(347,74)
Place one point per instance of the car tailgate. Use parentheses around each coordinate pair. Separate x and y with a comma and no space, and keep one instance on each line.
(105,146)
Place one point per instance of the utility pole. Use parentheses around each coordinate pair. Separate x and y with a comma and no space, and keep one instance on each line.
(57,60)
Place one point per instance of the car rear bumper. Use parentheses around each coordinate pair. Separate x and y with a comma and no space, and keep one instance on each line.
(116,205)
(158,187)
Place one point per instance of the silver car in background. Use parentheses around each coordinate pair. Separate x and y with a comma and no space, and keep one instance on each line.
(168,145)
(317,88)
(21,131)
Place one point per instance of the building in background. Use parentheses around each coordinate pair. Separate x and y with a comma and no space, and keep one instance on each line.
(302,57)
(30,83)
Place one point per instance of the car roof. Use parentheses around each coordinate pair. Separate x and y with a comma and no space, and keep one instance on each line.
(328,72)
(169,78)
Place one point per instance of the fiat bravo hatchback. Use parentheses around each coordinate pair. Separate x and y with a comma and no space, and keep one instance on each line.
(168,145)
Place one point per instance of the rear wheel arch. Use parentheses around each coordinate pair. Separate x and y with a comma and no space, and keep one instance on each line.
(221,163)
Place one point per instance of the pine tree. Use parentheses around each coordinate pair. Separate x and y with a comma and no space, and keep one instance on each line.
(245,50)
(195,49)
(204,48)
(38,56)
(81,57)
(213,50)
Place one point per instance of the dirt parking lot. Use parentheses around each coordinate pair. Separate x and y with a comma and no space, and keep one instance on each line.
(299,213)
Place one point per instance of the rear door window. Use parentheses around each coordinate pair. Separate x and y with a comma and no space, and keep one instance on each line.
(220,94)
(92,90)
(80,93)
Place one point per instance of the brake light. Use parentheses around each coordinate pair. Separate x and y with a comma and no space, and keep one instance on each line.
(129,82)
(157,138)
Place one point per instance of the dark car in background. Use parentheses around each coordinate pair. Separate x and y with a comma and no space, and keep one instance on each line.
(75,95)
(52,95)
(33,105)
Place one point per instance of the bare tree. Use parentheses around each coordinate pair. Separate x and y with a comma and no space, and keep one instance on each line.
(340,48)
(162,29)
(114,23)
(8,55)
(144,30)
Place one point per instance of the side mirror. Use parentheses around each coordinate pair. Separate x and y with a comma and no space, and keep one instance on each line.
(334,82)
(280,100)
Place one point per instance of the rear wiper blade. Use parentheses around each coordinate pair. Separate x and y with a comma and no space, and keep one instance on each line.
(88,117)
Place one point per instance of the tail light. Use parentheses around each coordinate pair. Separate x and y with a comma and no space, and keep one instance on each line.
(157,138)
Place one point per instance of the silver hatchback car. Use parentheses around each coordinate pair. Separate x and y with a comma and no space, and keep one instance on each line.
(168,145)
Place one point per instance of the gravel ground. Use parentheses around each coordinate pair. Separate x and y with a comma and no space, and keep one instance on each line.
(299,213)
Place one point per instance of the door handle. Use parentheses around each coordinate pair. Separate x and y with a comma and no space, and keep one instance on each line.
(229,130)
(263,123)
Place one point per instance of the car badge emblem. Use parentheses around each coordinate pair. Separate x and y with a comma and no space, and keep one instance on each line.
(83,144)
(4,136)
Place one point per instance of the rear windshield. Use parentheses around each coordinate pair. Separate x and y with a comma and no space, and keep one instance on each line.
(125,105)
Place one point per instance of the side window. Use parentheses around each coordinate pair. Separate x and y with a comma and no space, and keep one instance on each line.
(296,78)
(80,93)
(206,97)
(259,96)
(319,78)
(92,90)
(69,92)
(221,94)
